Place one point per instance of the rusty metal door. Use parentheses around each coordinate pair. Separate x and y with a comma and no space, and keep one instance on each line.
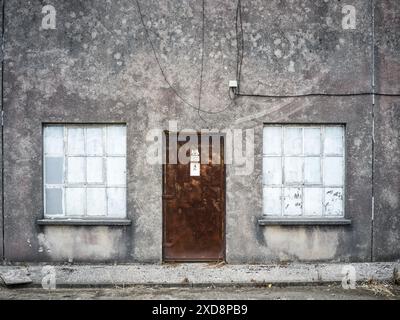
(194,205)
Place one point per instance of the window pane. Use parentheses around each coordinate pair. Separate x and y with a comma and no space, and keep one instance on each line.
(76,143)
(116,140)
(313,201)
(272,201)
(94,170)
(86,175)
(293,141)
(116,202)
(312,161)
(54,201)
(292,202)
(312,141)
(54,170)
(75,201)
(96,201)
(293,170)
(54,140)
(94,141)
(333,171)
(116,172)
(333,143)
(312,170)
(272,170)
(334,202)
(76,170)
(272,140)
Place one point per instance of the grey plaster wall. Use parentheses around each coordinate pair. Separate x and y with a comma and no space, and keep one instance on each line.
(97,66)
(250,242)
(387,133)
(1,148)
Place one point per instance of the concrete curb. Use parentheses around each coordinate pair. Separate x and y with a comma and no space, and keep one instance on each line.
(199,274)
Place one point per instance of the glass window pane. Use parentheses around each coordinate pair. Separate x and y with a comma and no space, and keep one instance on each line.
(94,170)
(312,141)
(272,170)
(333,202)
(293,170)
(116,140)
(333,171)
(312,170)
(313,201)
(76,143)
(292,205)
(94,141)
(54,170)
(313,164)
(76,170)
(272,144)
(54,140)
(116,202)
(293,141)
(75,201)
(333,142)
(116,171)
(272,201)
(54,201)
(96,201)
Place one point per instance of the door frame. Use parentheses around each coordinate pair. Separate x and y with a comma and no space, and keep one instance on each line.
(164,196)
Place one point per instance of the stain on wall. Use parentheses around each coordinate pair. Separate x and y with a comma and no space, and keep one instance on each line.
(76,244)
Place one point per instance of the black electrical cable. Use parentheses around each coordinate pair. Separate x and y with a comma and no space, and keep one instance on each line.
(163,72)
(239,63)
(239,44)
(317,94)
(202,60)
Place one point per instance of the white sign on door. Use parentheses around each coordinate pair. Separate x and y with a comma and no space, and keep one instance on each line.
(194,155)
(195,169)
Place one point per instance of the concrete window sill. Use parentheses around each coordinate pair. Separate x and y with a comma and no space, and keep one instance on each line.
(304,222)
(83,222)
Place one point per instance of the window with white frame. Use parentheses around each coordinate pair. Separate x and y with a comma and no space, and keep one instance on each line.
(84,171)
(303,170)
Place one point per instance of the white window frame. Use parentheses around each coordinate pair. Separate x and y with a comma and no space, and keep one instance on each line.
(322,156)
(65,184)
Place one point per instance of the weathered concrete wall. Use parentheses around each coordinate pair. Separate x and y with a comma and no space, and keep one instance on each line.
(305,50)
(84,71)
(307,243)
(387,133)
(97,66)
(1,146)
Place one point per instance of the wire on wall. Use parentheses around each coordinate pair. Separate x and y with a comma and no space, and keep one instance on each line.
(318,94)
(202,60)
(239,62)
(240,48)
(239,43)
(174,90)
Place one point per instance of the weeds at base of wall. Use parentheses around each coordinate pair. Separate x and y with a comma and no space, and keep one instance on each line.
(381,288)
